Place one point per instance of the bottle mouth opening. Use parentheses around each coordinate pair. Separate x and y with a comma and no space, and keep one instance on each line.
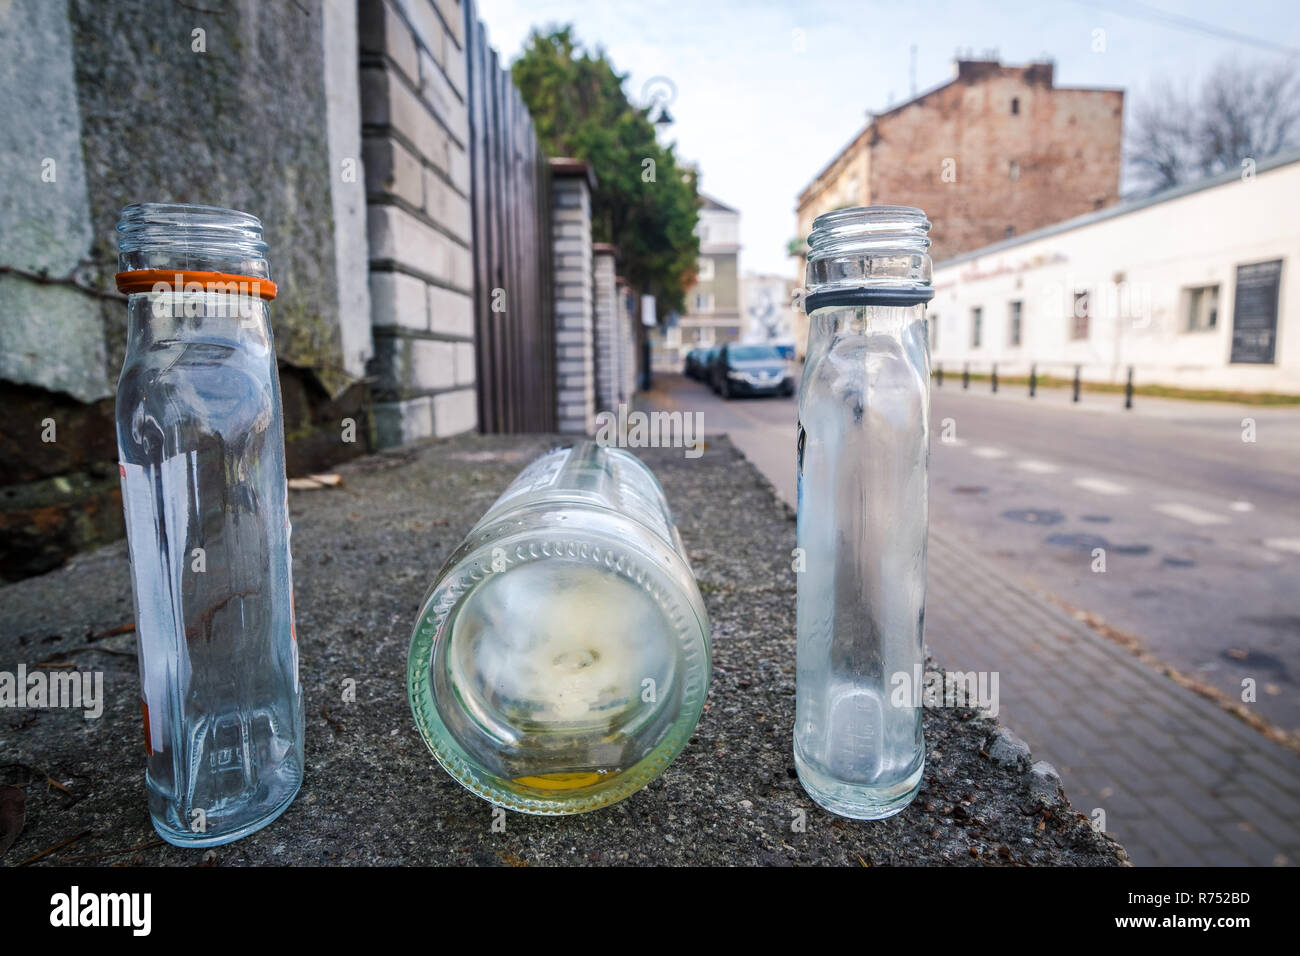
(869,229)
(183,236)
(869,247)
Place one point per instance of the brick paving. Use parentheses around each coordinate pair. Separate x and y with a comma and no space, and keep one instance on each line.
(1181,782)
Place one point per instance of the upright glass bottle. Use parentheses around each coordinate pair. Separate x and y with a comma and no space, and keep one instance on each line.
(201,448)
(561,659)
(863,455)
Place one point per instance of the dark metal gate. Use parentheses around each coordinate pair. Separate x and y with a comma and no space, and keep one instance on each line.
(514,308)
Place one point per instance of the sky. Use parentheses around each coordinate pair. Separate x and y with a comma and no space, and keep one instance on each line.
(768,92)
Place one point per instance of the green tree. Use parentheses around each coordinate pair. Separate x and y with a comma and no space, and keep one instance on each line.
(644,202)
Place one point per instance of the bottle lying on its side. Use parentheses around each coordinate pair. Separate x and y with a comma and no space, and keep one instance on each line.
(561,659)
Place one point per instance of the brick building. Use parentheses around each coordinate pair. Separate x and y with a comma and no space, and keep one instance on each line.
(994,152)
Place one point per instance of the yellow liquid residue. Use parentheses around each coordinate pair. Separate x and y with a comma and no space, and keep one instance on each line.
(562,781)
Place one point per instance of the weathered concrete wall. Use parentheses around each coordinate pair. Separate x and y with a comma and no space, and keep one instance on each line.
(240,104)
(575,362)
(416,140)
(50,336)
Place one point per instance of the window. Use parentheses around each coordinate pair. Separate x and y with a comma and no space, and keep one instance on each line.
(1202,309)
(1009,232)
(934,332)
(704,269)
(1014,312)
(1013,170)
(703,232)
(1079,320)
(976,326)
(1015,106)
(703,302)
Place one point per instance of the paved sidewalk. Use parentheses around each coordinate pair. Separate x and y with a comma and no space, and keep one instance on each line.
(1181,782)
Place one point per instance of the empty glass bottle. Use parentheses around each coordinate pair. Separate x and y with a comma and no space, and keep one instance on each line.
(201,450)
(561,658)
(863,454)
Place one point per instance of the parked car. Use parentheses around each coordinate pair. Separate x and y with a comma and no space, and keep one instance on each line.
(751,370)
(704,368)
(692,368)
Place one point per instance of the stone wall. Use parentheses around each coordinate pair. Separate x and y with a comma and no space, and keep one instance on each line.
(415,126)
(108,104)
(574,321)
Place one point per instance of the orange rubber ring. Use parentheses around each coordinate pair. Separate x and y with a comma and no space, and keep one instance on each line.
(145,280)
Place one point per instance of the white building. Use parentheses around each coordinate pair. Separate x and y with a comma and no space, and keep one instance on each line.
(767,308)
(1191,287)
(713,303)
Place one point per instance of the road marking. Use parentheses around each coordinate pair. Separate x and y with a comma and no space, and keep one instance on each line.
(989,451)
(1038,467)
(1100,485)
(1241,506)
(1283,544)
(1189,513)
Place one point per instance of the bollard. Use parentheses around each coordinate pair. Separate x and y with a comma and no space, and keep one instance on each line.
(938,375)
(1076,384)
(965,375)
(995,377)
(1033,379)
(1128,389)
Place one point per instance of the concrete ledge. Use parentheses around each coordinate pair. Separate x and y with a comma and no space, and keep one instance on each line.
(364,554)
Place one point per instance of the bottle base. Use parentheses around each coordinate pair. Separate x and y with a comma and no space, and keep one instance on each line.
(188,840)
(854,800)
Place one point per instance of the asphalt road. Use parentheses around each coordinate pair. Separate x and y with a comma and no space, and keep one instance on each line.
(1199,529)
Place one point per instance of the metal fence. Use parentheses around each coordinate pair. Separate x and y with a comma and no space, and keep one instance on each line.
(1027,374)
(514,310)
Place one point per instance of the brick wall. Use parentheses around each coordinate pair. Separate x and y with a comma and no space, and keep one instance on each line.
(628,357)
(1019,154)
(1057,156)
(415,135)
(574,322)
(609,377)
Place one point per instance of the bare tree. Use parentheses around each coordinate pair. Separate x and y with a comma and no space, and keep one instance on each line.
(1161,149)
(1243,111)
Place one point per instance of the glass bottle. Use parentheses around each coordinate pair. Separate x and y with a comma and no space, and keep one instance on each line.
(863,456)
(201,449)
(561,658)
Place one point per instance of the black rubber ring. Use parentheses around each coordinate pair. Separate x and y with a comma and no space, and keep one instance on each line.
(866,295)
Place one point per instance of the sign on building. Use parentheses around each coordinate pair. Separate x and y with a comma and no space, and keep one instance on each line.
(1254,312)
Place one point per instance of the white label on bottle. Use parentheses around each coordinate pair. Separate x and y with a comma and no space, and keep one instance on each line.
(540,474)
(293,613)
(154,632)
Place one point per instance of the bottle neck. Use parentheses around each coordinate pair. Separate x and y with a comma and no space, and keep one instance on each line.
(197,317)
(203,268)
(839,322)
